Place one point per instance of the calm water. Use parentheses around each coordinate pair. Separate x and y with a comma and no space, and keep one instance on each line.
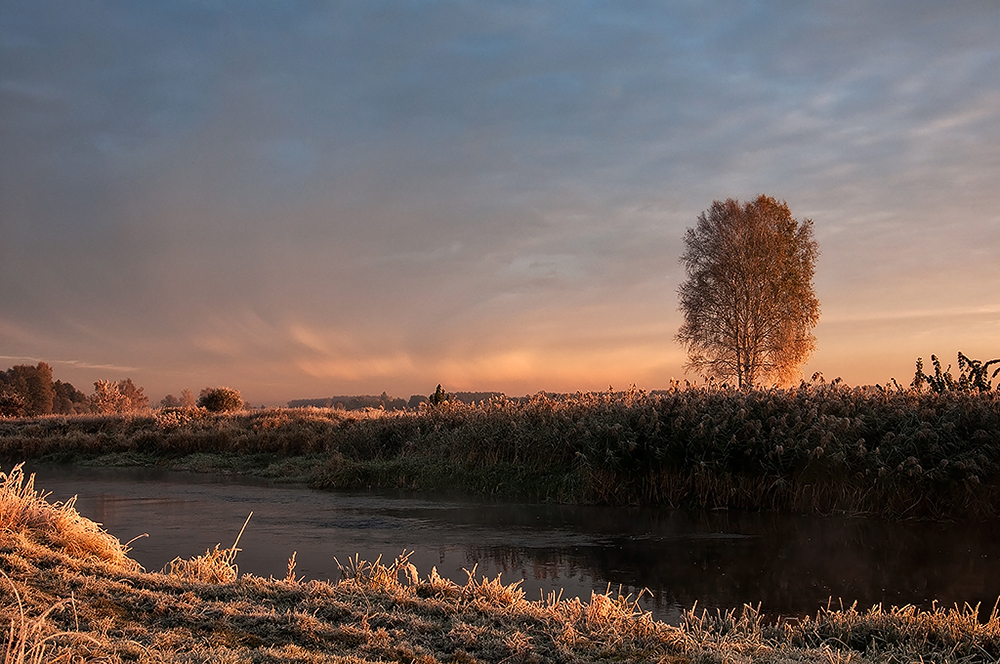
(792,565)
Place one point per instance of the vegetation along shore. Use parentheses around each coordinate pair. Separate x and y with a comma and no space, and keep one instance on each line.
(70,593)
(818,448)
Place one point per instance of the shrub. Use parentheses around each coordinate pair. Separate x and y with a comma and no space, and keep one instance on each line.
(220,399)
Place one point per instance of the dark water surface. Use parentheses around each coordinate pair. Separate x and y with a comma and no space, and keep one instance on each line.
(791,565)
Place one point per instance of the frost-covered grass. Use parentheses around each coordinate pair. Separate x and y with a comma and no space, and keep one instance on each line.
(71,594)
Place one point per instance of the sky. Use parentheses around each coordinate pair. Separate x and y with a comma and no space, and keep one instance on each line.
(307,199)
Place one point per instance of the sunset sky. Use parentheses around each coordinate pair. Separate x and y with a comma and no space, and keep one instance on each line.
(318,198)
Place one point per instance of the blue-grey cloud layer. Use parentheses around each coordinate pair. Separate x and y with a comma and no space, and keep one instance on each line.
(302,196)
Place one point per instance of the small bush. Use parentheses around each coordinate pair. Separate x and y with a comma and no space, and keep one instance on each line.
(220,399)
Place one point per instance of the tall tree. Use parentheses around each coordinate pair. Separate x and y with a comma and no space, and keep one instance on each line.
(34,385)
(748,301)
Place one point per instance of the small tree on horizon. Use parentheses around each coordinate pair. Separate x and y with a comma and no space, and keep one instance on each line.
(170,401)
(748,301)
(123,396)
(439,396)
(185,400)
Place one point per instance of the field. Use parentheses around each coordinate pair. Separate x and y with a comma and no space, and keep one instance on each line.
(70,593)
(819,448)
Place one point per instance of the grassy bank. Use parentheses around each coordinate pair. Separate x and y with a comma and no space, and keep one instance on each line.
(70,593)
(818,448)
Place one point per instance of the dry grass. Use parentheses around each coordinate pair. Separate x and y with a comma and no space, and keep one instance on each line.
(26,510)
(30,640)
(215,566)
(64,604)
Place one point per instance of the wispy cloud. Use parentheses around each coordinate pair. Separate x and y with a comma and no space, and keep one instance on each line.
(78,364)
(940,313)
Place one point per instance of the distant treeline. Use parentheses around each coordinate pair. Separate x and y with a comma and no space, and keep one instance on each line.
(384,401)
(29,391)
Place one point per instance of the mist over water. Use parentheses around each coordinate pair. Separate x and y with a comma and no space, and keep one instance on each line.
(790,565)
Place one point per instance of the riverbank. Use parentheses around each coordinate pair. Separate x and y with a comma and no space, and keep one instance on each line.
(815,449)
(72,593)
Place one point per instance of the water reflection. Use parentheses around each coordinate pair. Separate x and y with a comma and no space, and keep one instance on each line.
(791,565)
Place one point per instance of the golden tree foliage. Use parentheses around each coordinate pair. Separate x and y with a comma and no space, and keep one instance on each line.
(748,301)
(123,396)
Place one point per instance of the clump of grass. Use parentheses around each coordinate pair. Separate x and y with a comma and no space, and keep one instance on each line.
(377,576)
(895,634)
(957,630)
(215,565)
(24,510)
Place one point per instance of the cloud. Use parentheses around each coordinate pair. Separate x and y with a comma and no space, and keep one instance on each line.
(76,364)
(950,313)
(376,194)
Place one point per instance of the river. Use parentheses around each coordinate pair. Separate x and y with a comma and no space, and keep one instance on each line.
(791,565)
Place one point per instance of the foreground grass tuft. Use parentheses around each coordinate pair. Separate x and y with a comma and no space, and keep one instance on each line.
(215,566)
(23,510)
(63,603)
